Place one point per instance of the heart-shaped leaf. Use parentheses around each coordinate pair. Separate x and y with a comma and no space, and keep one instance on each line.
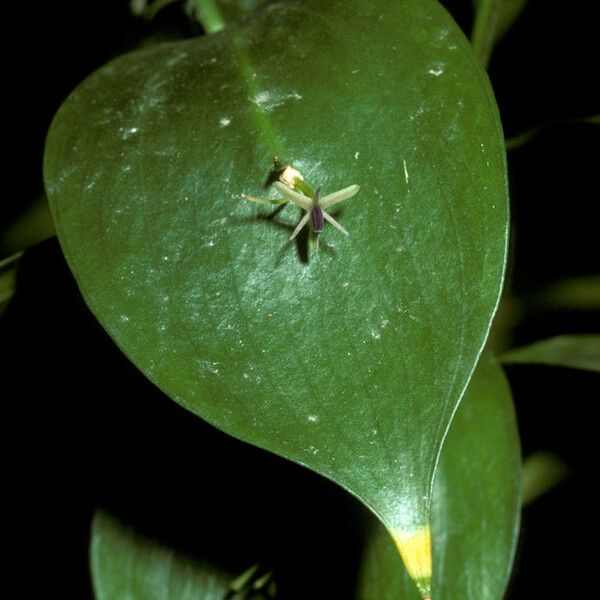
(350,361)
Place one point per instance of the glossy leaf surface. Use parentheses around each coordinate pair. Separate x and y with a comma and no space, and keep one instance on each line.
(352,360)
(476,503)
(127,566)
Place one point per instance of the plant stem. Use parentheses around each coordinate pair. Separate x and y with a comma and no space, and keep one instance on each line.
(262,122)
(483,35)
(209,15)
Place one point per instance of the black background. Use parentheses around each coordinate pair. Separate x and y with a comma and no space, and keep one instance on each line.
(84,429)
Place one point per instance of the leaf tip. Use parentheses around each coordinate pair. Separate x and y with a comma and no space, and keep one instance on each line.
(415,549)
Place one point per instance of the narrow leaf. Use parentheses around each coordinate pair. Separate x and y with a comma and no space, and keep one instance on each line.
(574,351)
(493,18)
(541,472)
(128,566)
(8,279)
(483,35)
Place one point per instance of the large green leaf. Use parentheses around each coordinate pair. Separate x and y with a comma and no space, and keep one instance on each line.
(476,503)
(350,361)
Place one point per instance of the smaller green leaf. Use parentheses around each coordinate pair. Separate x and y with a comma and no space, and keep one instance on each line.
(128,566)
(31,227)
(8,279)
(541,472)
(493,18)
(509,12)
(574,351)
(476,503)
(527,136)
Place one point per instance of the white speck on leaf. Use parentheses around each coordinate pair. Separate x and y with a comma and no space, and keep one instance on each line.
(209,366)
(417,113)
(176,59)
(356,155)
(313,418)
(436,72)
(127,132)
(262,99)
(267,101)
(217,222)
(224,121)
(405,171)
(90,185)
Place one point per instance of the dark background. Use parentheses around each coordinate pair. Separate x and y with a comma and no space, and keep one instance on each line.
(85,429)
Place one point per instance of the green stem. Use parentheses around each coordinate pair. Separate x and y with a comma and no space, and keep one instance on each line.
(485,24)
(209,15)
(262,122)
